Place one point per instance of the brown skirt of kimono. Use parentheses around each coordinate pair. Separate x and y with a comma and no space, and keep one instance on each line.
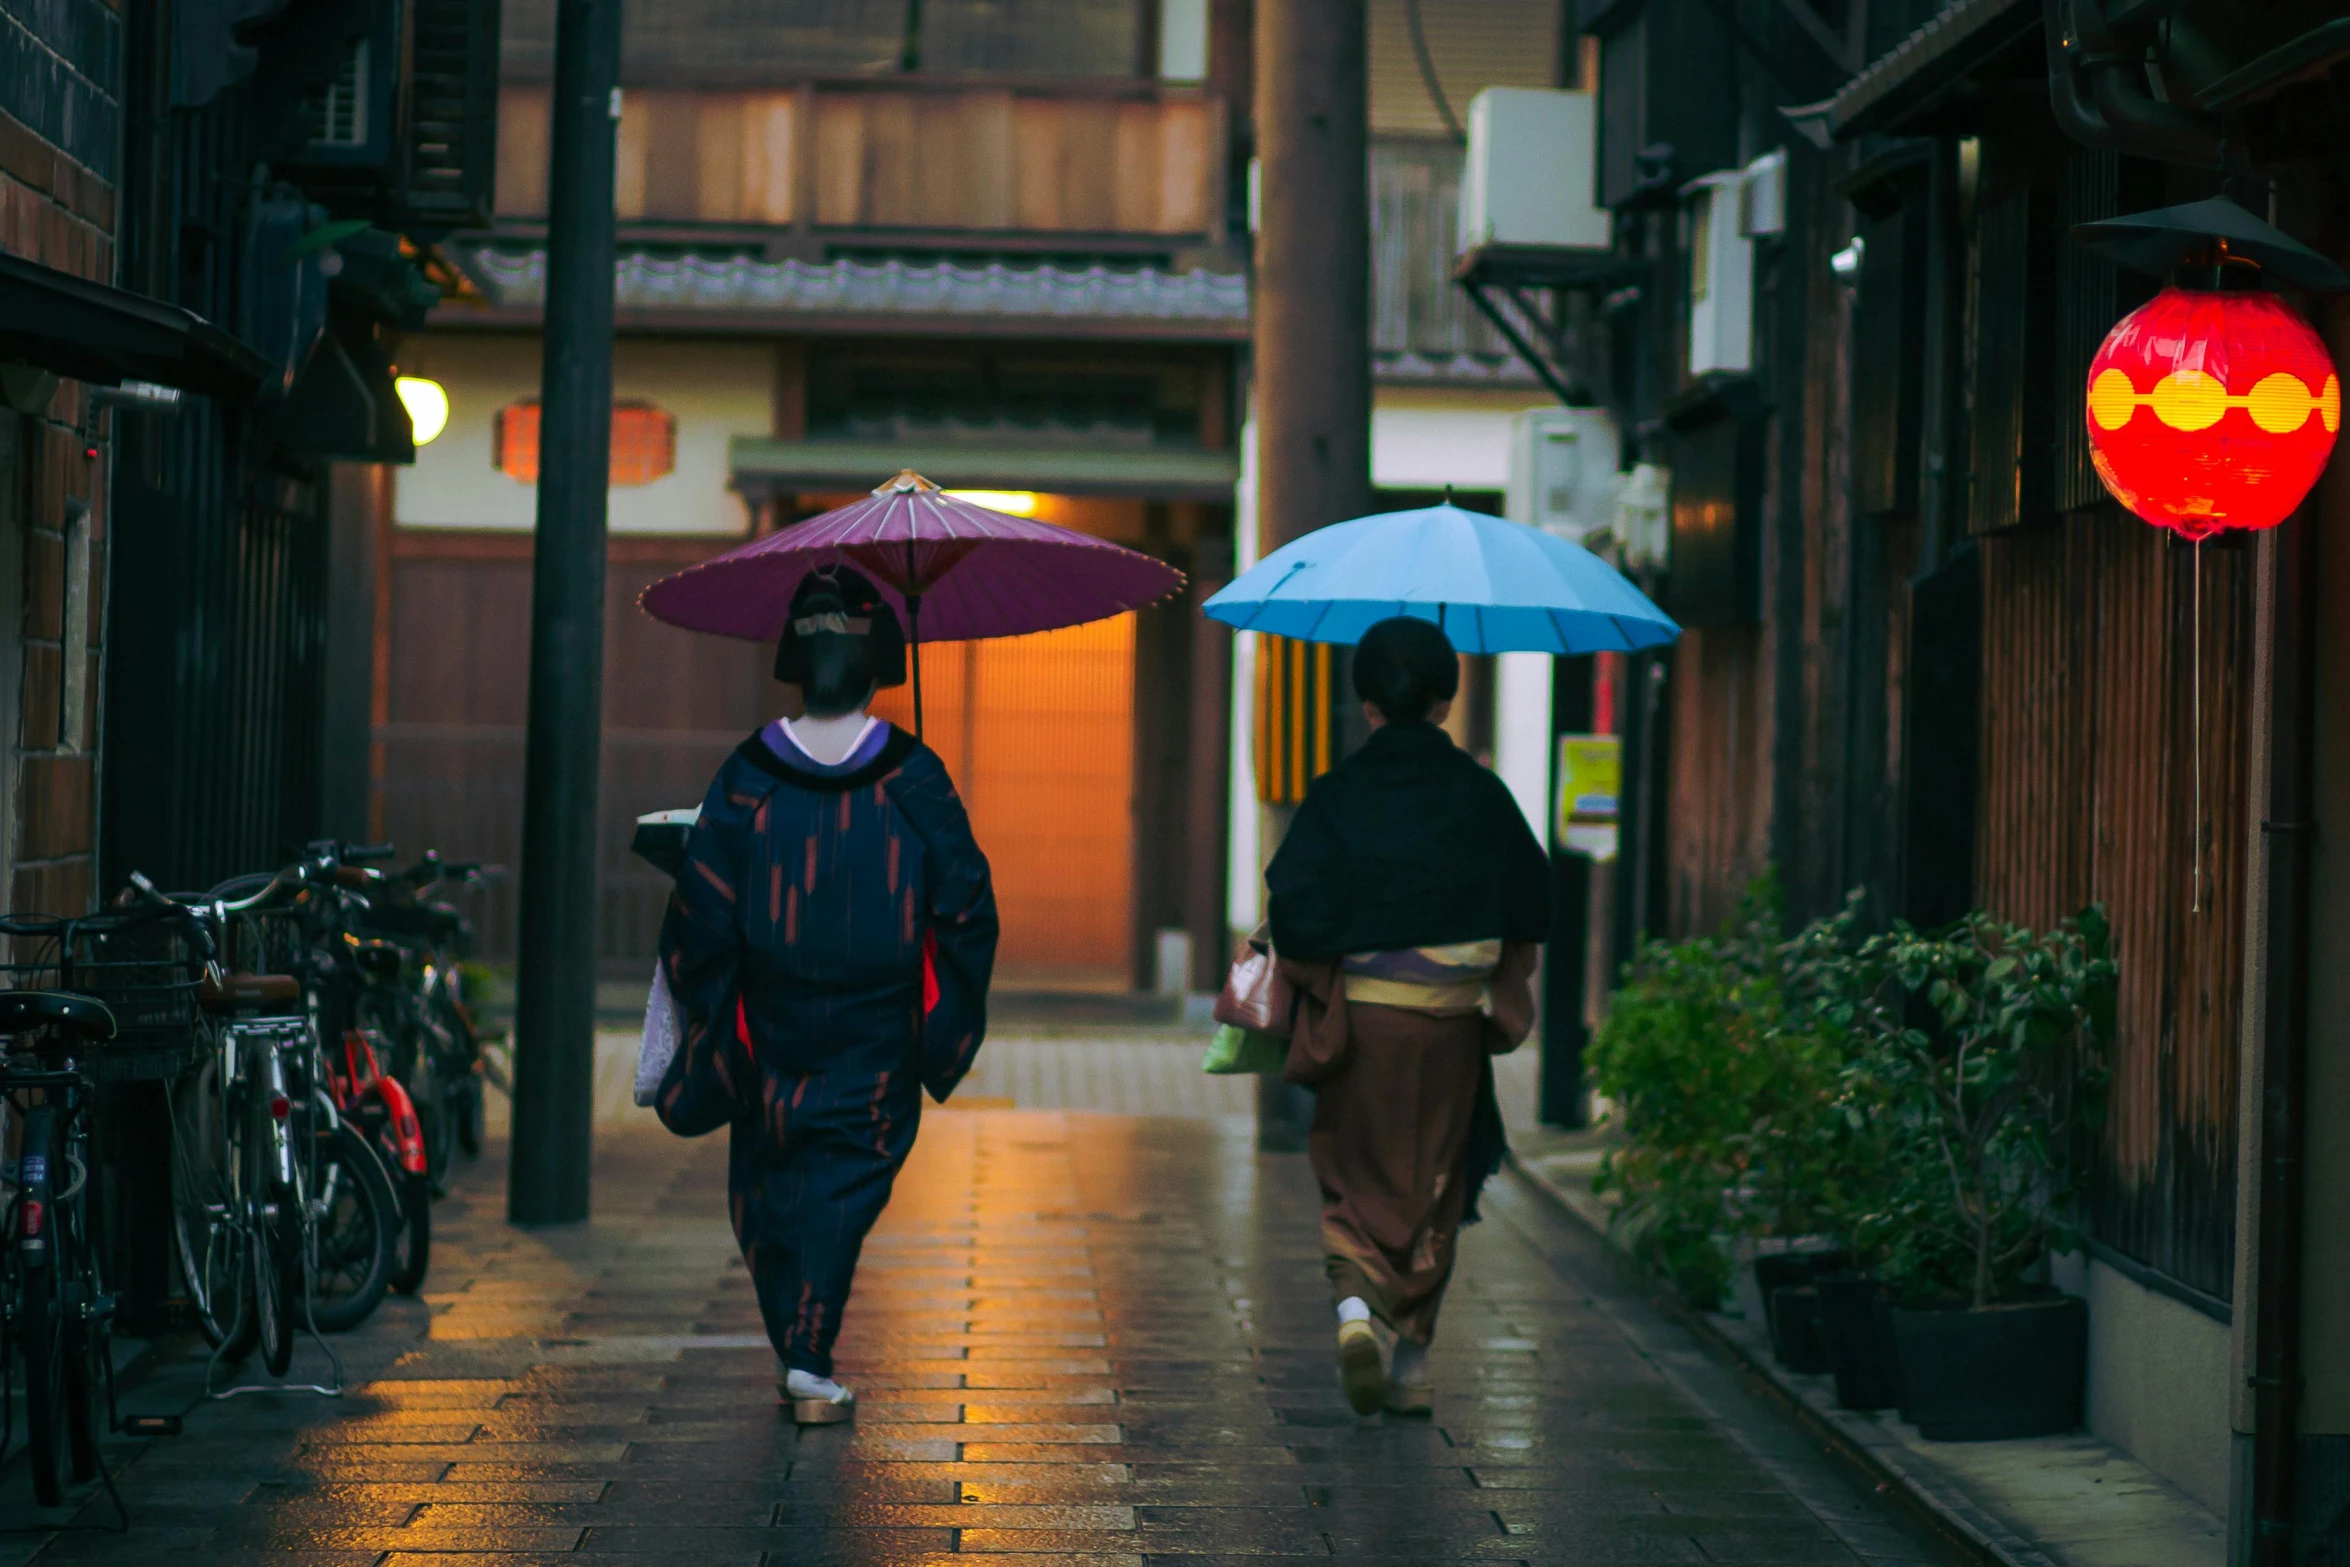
(1394,1090)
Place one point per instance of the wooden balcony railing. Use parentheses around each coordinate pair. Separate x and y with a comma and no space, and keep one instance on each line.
(1139,163)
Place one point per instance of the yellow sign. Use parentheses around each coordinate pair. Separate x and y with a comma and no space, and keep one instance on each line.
(1591,773)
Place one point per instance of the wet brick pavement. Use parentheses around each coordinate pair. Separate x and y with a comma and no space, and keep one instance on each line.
(1079,1340)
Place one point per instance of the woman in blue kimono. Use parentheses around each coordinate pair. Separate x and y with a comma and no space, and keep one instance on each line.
(828,947)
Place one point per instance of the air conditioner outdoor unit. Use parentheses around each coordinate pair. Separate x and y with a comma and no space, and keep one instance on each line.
(1721,276)
(1762,206)
(1562,476)
(1531,171)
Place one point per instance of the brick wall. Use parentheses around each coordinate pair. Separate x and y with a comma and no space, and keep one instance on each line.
(56,211)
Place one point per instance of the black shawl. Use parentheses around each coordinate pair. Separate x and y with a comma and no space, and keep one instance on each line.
(1409,843)
(1406,843)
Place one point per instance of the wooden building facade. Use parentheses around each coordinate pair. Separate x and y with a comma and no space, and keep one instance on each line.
(1928,657)
(1010,265)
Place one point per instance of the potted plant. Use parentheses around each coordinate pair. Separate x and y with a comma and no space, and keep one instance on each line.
(1979,1060)
(1723,1076)
(1676,1061)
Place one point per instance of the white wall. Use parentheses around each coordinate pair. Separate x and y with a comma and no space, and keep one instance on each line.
(717,390)
(2158,1378)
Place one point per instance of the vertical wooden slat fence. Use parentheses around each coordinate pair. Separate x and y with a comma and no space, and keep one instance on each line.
(2089,794)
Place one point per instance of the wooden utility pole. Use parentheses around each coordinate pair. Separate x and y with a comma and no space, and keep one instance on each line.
(1312,335)
(555,1002)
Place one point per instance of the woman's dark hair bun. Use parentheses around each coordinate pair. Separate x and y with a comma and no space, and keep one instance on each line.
(1404,667)
(840,640)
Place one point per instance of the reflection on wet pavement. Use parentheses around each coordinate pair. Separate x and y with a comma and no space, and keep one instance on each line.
(1078,1340)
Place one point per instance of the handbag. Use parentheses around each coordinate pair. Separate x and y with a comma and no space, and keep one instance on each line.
(1255,996)
(1237,1051)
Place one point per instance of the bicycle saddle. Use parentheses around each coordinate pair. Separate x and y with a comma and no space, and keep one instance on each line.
(23,1011)
(240,991)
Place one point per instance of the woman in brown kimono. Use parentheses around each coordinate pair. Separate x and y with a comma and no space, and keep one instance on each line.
(1409,902)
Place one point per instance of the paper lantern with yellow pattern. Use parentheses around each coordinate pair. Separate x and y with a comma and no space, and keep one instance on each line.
(2213,408)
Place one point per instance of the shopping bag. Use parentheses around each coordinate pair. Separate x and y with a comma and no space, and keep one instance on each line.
(658,1045)
(1255,996)
(1236,1051)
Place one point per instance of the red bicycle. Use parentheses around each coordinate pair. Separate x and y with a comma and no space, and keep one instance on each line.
(379,1105)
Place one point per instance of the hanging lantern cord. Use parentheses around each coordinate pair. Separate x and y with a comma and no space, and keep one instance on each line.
(2195,829)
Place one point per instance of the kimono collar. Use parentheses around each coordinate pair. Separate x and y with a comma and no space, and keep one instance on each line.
(887,760)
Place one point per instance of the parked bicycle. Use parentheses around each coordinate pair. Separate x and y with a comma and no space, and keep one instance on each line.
(59,1035)
(408,1069)
(440,1044)
(283,1214)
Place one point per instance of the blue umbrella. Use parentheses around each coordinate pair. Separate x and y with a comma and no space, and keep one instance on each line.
(1494,586)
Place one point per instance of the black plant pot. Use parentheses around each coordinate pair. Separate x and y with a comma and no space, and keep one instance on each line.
(1856,1328)
(2003,1371)
(1778,1270)
(1795,1329)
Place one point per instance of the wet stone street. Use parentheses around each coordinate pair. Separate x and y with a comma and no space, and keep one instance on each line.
(1078,1340)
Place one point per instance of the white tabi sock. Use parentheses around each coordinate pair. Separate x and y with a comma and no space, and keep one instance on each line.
(806,1384)
(1354,1309)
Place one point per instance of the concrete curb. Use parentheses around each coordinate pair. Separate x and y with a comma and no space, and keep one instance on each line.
(1856,1438)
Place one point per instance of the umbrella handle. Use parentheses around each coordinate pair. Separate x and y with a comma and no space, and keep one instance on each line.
(914,653)
(914,630)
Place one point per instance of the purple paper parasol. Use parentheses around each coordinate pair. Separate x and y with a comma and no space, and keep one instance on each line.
(958,570)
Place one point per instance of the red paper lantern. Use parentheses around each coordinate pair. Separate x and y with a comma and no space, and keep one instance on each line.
(2211,409)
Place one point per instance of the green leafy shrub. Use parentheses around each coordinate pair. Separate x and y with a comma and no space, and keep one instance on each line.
(1925,1097)
(1980,1066)
(1726,1086)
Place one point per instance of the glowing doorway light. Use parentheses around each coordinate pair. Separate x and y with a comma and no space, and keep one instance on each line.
(427,405)
(1020,503)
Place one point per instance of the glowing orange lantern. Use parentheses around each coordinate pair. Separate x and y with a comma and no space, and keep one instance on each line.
(2213,408)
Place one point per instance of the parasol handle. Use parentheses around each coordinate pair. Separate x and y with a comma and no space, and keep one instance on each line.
(914,627)
(914,654)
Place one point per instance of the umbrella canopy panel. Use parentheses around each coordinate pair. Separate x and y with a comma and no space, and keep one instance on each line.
(978,572)
(1494,586)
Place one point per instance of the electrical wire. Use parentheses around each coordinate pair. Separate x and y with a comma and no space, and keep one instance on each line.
(1452,124)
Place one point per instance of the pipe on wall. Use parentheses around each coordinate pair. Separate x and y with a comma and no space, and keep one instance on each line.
(2287,826)
(2075,114)
(2119,113)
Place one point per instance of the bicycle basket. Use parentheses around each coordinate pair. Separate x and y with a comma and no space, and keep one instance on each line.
(146,971)
(145,966)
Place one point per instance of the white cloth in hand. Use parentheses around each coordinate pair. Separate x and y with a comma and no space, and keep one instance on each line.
(659,1043)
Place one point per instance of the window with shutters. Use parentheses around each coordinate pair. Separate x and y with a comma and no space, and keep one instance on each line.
(644,443)
(2013,381)
(1888,349)
(2092,294)
(406,131)
(711,42)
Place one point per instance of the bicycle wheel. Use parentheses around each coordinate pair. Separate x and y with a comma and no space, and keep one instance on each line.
(355,1240)
(40,1345)
(415,1250)
(278,1281)
(203,1202)
(472,1117)
(79,1387)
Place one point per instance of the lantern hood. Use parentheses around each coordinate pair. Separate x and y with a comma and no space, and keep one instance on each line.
(2161,240)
